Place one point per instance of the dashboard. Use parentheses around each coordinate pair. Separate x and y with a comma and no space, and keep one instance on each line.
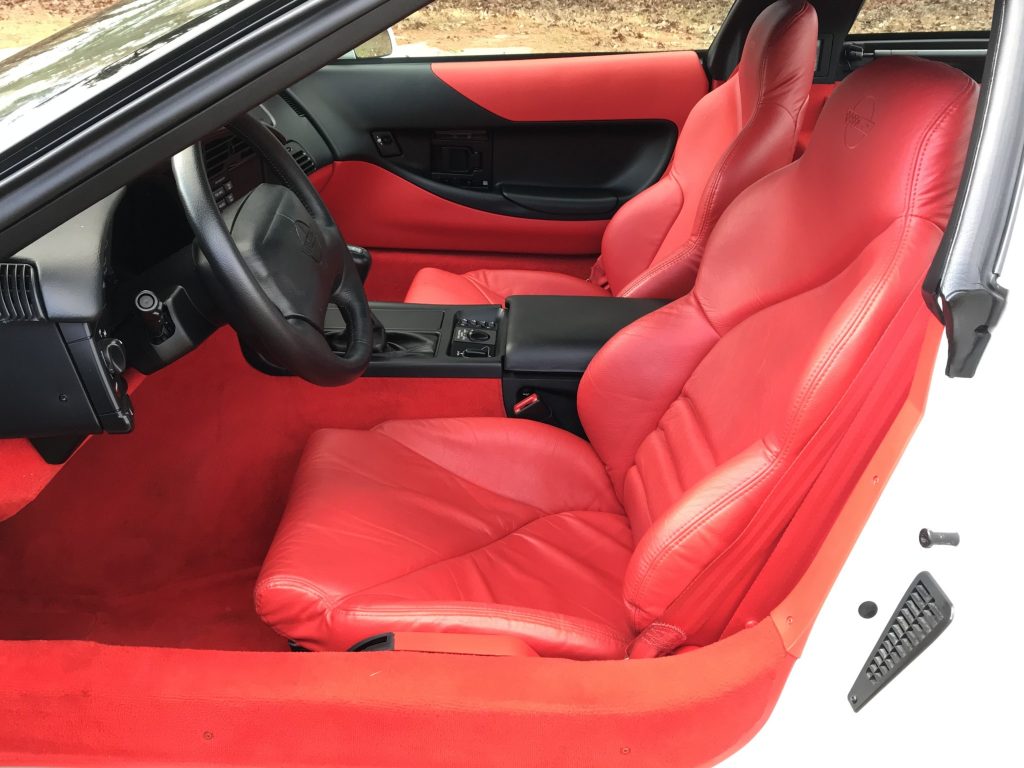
(122,285)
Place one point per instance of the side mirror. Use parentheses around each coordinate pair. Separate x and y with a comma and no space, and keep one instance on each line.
(377,47)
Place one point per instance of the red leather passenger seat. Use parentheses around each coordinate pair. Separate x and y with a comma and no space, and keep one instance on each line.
(738,133)
(709,420)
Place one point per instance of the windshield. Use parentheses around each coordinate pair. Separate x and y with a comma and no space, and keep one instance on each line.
(51,79)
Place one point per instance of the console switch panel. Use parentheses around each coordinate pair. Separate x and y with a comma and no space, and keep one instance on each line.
(475,333)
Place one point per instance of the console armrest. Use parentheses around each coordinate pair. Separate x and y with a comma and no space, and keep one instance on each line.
(561,334)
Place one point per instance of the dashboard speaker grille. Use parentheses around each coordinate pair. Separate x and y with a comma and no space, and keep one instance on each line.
(19,293)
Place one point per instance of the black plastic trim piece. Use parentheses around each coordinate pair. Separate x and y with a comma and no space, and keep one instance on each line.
(561,334)
(71,262)
(922,615)
(381,642)
(562,202)
(965,51)
(48,397)
(57,450)
(962,286)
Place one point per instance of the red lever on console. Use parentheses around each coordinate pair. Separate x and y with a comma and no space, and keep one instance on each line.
(528,402)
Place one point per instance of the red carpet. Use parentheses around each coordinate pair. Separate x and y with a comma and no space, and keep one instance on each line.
(155,538)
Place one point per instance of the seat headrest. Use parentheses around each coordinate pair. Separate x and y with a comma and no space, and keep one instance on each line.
(773,56)
(899,130)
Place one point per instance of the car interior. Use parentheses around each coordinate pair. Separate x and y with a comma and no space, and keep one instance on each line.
(524,360)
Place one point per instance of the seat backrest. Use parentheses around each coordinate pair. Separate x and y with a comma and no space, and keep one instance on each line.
(715,414)
(741,131)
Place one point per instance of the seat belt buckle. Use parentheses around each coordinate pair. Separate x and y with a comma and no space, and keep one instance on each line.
(531,407)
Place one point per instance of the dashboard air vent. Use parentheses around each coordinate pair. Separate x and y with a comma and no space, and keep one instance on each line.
(301,156)
(19,293)
(222,154)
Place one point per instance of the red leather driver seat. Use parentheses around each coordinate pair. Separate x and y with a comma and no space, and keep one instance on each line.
(741,131)
(785,364)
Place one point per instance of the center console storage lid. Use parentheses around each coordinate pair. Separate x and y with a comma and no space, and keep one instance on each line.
(561,334)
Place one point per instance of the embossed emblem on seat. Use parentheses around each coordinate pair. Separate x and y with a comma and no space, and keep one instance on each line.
(859,122)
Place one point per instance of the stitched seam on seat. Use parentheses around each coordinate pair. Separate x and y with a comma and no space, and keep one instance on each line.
(682,386)
(762,86)
(646,500)
(473,551)
(649,274)
(954,105)
(480,288)
(840,340)
(698,419)
(668,547)
(671,221)
(674,460)
(294,583)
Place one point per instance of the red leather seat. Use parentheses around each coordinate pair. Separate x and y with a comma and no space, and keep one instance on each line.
(740,132)
(710,421)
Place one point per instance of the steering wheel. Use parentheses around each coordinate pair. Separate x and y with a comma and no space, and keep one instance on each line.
(279,260)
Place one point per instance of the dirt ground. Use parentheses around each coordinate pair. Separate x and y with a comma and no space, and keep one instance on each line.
(546,25)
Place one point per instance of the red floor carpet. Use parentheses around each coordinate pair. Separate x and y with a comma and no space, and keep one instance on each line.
(155,538)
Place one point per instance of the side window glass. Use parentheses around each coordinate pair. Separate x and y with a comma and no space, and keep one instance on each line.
(518,27)
(889,16)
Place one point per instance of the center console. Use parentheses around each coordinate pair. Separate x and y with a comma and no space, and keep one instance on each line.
(539,346)
(433,341)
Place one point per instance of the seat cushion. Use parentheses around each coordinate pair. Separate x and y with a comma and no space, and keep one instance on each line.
(439,525)
(493,286)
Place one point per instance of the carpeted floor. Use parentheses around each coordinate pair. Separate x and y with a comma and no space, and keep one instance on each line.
(155,538)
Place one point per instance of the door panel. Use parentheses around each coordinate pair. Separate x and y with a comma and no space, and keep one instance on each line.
(512,156)
(641,86)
